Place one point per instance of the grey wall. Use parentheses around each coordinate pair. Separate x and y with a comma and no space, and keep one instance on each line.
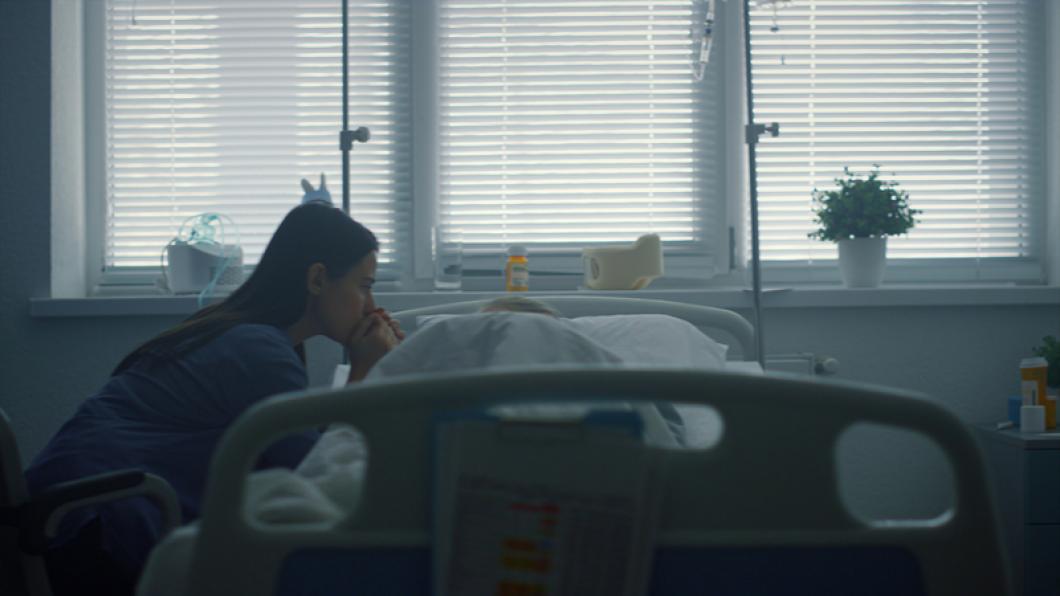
(965,357)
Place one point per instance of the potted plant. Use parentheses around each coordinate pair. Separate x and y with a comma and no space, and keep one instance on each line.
(859,216)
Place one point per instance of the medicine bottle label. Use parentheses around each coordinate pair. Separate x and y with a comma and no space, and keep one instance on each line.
(520,279)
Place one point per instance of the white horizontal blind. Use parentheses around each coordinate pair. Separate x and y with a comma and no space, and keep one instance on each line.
(224,105)
(569,123)
(943,95)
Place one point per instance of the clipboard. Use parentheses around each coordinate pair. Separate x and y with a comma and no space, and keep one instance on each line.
(535,507)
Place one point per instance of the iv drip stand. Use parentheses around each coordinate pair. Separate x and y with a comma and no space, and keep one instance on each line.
(752,132)
(347,137)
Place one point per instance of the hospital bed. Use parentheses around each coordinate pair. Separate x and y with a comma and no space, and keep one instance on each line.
(760,513)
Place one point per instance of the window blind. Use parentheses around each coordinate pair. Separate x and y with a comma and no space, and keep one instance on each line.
(224,105)
(944,96)
(571,123)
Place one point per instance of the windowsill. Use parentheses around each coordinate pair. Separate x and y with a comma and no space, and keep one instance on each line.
(831,296)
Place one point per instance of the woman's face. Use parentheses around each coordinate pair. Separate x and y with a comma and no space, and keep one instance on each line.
(343,302)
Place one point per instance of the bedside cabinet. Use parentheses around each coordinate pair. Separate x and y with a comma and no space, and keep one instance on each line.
(1024,471)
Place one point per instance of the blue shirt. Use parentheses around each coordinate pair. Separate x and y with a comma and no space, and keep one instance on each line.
(166,418)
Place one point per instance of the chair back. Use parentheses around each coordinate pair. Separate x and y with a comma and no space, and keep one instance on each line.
(20,574)
(27,525)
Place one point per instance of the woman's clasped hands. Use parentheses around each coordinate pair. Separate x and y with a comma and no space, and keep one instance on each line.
(371,338)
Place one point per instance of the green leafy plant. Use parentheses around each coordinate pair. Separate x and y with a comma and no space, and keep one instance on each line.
(862,208)
(1050,350)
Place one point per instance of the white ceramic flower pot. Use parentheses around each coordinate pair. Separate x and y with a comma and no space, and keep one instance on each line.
(862,260)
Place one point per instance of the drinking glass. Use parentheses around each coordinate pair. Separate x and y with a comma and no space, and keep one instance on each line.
(448,245)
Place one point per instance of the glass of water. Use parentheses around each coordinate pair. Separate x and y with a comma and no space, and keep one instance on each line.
(448,246)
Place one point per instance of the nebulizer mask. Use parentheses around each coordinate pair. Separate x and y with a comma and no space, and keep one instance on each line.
(200,258)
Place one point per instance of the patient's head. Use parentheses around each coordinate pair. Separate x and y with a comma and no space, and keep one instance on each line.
(519,304)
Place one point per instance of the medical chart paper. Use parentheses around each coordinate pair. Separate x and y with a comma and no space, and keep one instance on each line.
(544,508)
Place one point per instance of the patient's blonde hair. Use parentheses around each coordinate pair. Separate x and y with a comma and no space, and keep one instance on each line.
(519,304)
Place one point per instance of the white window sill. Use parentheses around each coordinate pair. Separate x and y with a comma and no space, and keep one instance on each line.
(896,295)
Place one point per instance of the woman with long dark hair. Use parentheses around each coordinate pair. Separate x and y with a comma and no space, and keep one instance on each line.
(169,401)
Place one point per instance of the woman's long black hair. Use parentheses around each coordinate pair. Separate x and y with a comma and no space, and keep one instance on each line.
(275,294)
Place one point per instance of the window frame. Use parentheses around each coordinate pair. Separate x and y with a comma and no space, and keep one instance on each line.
(95,157)
(564,269)
(731,254)
(1023,270)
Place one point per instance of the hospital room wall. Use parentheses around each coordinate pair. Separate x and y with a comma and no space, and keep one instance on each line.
(962,356)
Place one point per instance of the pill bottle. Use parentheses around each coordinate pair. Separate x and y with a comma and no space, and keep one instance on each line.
(516,270)
(1034,372)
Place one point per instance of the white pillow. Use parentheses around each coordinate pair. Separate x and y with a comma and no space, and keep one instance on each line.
(654,340)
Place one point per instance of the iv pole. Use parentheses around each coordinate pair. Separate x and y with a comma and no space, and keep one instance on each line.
(752,132)
(346,136)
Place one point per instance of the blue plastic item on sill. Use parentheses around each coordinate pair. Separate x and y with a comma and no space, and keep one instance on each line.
(1014,403)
